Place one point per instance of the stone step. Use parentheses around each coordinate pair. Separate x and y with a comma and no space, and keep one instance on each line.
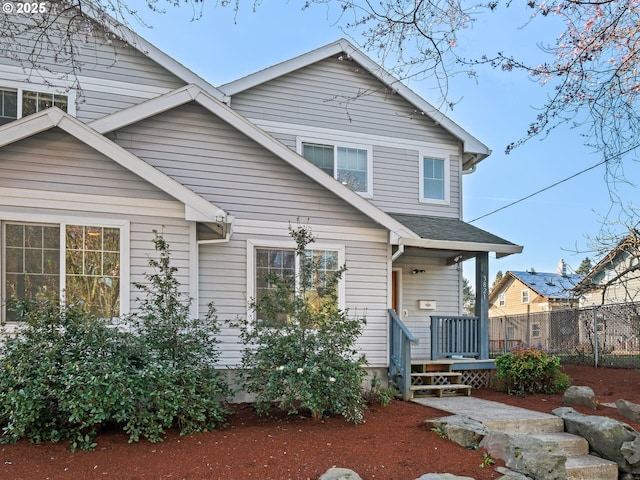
(527,425)
(570,444)
(590,467)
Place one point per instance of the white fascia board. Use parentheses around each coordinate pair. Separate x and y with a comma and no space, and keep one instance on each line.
(195,93)
(147,48)
(500,250)
(145,110)
(472,146)
(281,69)
(196,207)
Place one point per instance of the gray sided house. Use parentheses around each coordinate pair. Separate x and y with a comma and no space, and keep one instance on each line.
(327,139)
(615,278)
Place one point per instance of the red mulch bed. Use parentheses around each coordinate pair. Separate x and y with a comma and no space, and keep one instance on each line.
(391,445)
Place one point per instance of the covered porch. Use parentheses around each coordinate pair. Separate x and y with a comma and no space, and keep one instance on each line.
(428,331)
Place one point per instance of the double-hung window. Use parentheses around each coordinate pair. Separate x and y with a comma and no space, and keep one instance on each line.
(524,296)
(18,103)
(349,164)
(278,277)
(48,261)
(434,179)
(502,300)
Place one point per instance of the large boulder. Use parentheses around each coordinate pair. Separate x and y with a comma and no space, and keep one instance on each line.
(580,397)
(527,454)
(607,437)
(629,410)
(463,430)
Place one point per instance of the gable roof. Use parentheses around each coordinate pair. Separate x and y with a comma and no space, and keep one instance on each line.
(402,227)
(196,208)
(193,93)
(146,48)
(628,245)
(453,234)
(550,285)
(473,149)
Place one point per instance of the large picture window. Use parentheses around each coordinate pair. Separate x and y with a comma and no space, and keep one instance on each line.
(349,165)
(278,272)
(18,103)
(45,261)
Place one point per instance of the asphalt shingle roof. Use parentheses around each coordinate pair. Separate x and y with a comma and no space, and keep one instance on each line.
(444,228)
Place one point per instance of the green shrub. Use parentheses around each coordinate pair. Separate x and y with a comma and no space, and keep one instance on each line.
(300,347)
(529,370)
(63,375)
(67,374)
(178,384)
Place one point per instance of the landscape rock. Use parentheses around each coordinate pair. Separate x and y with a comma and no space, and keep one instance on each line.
(606,437)
(527,455)
(580,397)
(340,474)
(463,430)
(631,451)
(629,410)
(510,474)
(442,476)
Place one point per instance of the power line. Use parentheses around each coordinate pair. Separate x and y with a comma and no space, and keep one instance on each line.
(539,191)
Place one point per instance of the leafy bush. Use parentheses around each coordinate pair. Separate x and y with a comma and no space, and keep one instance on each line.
(179,384)
(66,373)
(63,375)
(300,347)
(529,370)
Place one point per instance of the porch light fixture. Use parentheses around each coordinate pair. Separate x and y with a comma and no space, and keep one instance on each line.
(417,271)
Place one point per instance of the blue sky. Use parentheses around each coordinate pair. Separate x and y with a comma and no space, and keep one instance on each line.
(497,110)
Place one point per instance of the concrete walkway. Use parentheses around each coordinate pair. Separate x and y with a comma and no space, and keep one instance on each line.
(496,416)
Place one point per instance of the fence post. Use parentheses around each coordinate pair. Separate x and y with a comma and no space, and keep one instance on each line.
(595,336)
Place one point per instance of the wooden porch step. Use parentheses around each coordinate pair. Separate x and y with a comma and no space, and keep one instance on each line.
(438,390)
(427,378)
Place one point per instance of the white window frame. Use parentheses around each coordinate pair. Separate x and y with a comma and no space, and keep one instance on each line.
(525,293)
(502,299)
(435,155)
(32,87)
(329,142)
(62,221)
(253,244)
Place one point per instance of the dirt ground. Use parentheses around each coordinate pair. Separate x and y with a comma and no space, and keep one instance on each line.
(391,445)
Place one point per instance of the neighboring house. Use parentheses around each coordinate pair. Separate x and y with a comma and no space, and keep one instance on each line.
(519,296)
(530,292)
(327,139)
(615,278)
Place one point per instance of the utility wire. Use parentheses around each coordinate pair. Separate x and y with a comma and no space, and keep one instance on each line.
(540,191)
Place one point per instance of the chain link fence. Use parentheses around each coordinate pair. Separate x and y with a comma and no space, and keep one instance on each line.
(606,335)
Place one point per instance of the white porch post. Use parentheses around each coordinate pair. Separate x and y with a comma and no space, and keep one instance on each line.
(482,301)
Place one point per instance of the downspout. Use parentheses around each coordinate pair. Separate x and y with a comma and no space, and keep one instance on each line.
(399,252)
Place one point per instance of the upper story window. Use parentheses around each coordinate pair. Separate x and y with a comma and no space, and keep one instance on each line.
(18,103)
(525,296)
(502,300)
(41,261)
(349,164)
(434,179)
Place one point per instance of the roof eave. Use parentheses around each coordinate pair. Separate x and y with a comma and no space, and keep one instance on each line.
(501,250)
(474,150)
